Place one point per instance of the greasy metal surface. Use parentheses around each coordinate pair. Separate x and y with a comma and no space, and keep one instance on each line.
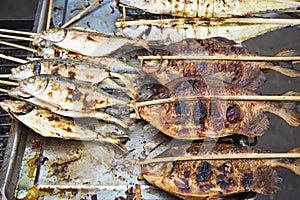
(58,169)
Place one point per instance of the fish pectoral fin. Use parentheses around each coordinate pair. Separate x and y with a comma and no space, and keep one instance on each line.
(257,126)
(266,180)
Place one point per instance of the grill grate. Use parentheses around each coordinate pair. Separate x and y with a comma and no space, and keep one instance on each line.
(5,67)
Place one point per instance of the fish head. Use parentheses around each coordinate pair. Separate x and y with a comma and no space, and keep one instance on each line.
(155,172)
(16,106)
(48,37)
(26,70)
(34,85)
(149,92)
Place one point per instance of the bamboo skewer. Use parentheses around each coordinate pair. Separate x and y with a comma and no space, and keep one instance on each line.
(215,97)
(49,14)
(18,32)
(18,46)
(4,90)
(5,75)
(16,37)
(78,16)
(18,60)
(238,58)
(222,157)
(212,21)
(9,83)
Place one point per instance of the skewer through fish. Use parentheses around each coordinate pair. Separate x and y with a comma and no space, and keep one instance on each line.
(49,124)
(85,41)
(200,119)
(212,8)
(242,73)
(204,179)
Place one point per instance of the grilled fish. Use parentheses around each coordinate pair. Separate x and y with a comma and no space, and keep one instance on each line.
(244,73)
(204,179)
(76,69)
(65,93)
(199,119)
(212,8)
(171,33)
(86,42)
(49,124)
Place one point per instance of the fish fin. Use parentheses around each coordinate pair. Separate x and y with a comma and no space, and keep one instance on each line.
(286,111)
(256,82)
(283,70)
(227,76)
(286,53)
(115,141)
(266,180)
(145,44)
(291,93)
(291,164)
(258,126)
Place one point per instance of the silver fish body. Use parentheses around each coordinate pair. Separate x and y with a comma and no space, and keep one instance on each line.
(211,8)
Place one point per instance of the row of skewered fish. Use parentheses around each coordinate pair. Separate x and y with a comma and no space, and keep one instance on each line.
(75,83)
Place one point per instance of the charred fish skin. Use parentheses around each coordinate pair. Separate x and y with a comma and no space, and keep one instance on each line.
(210,8)
(244,74)
(67,94)
(216,178)
(200,119)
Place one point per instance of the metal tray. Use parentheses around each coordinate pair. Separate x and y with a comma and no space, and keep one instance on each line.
(46,168)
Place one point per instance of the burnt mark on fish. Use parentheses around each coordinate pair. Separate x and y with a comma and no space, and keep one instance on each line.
(233,113)
(204,172)
(200,114)
(198,86)
(225,182)
(50,94)
(53,118)
(247,180)
(72,75)
(205,187)
(237,69)
(181,109)
(89,38)
(189,71)
(226,167)
(68,129)
(55,71)
(73,94)
(186,174)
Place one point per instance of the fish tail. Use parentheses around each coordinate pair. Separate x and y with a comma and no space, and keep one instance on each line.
(286,71)
(265,185)
(291,164)
(286,110)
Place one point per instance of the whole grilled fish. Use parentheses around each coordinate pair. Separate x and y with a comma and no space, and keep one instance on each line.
(199,119)
(86,42)
(204,179)
(212,8)
(244,73)
(49,124)
(65,93)
(76,69)
(171,33)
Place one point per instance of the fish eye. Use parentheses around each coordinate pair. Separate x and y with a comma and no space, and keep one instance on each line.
(31,80)
(23,67)
(37,68)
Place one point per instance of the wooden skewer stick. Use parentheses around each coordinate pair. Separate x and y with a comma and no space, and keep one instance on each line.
(18,60)
(77,17)
(18,46)
(18,32)
(212,21)
(215,97)
(16,37)
(243,58)
(4,90)
(5,75)
(9,83)
(221,157)
(49,14)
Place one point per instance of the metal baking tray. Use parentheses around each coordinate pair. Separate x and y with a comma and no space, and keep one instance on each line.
(45,168)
